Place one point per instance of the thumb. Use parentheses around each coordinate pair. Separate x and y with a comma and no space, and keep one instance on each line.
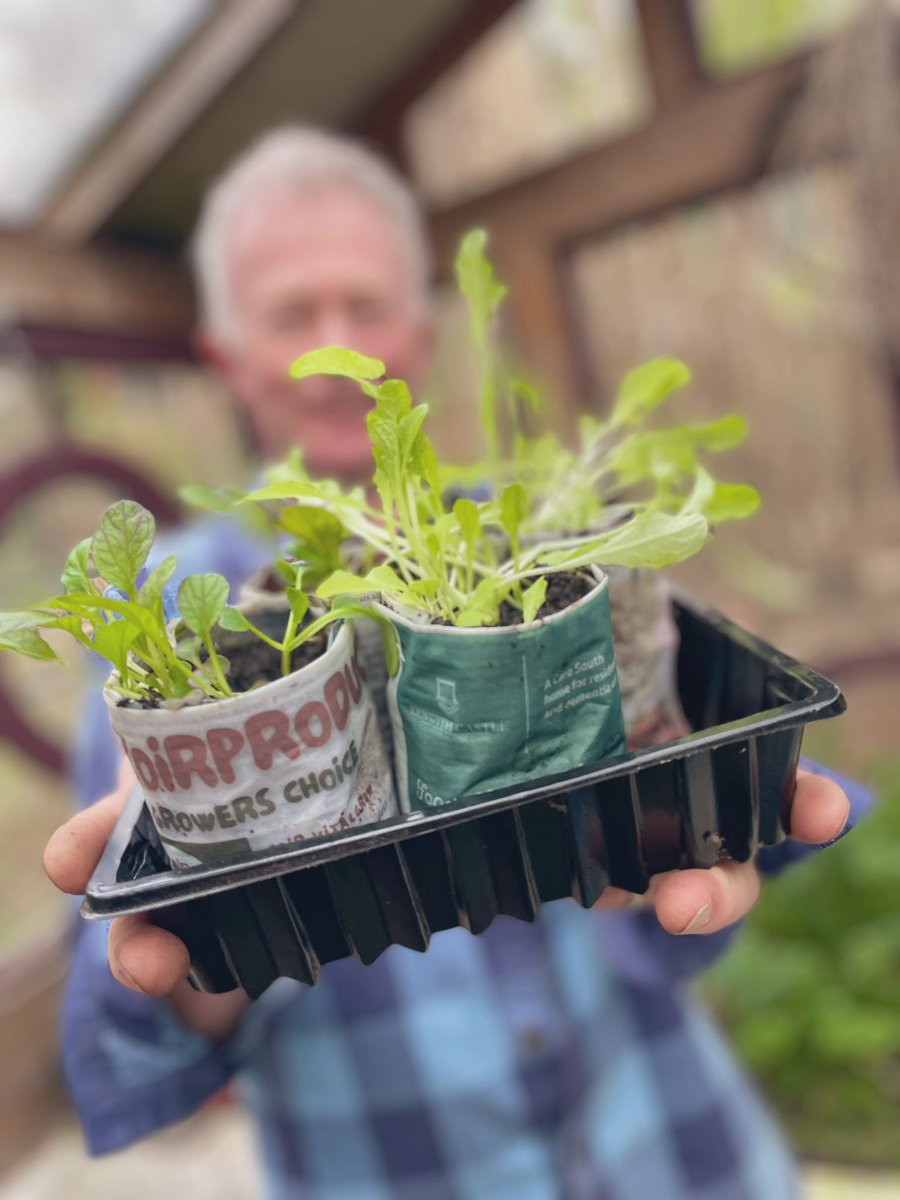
(73,851)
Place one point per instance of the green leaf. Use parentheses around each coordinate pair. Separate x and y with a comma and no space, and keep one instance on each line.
(342,583)
(316,530)
(722,434)
(113,641)
(426,589)
(532,599)
(285,489)
(645,387)
(287,571)
(189,648)
(86,604)
(201,599)
(483,607)
(408,430)
(335,360)
(233,620)
(426,462)
(299,602)
(475,280)
(153,586)
(347,606)
(120,546)
(18,632)
(731,502)
(651,539)
(527,393)
(386,579)
(469,522)
(291,467)
(76,573)
(513,507)
(220,499)
(384,423)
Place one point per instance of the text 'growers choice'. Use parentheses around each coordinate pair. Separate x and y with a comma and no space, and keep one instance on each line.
(171,763)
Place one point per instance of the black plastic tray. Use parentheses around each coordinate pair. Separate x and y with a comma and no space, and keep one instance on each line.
(717,793)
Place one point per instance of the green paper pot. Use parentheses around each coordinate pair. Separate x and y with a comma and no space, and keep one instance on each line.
(473,710)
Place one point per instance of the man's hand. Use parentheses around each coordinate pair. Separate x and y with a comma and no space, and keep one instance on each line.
(142,956)
(707,900)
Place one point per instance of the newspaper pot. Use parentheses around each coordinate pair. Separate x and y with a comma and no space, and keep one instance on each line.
(265,588)
(292,759)
(474,710)
(646,640)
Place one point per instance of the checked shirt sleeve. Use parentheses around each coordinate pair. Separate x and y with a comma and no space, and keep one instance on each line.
(130,1065)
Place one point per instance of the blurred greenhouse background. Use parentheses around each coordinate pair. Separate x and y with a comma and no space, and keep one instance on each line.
(715,179)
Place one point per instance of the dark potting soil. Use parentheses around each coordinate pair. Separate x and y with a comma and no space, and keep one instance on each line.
(252,663)
(563,589)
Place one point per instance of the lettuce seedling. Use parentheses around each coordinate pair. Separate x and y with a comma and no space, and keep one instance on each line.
(112,606)
(621,467)
(443,562)
(308,534)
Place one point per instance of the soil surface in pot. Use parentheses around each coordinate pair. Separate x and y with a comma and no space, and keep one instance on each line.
(252,663)
(563,589)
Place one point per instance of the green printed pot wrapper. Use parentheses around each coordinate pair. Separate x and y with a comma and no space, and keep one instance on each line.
(296,758)
(479,709)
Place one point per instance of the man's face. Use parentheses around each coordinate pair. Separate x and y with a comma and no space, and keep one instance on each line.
(304,271)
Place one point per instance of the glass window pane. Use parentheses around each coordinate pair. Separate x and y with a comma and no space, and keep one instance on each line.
(763,295)
(66,70)
(548,79)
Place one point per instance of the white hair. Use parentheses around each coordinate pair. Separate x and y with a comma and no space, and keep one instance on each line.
(297,158)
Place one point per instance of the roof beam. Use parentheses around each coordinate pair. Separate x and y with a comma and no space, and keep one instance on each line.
(93,289)
(382,120)
(717,137)
(157,117)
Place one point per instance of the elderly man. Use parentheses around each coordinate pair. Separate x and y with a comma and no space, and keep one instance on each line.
(532,1062)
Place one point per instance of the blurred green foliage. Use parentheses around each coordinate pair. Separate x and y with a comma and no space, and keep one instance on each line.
(736,35)
(811,991)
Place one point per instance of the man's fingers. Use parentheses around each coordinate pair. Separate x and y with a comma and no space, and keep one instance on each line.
(705,901)
(819,810)
(146,958)
(74,849)
(614,899)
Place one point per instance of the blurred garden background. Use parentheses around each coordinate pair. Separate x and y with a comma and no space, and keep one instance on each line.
(712,179)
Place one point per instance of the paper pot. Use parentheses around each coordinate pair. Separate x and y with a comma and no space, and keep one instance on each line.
(477,709)
(296,758)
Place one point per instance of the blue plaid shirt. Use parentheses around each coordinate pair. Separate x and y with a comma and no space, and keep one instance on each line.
(562,1059)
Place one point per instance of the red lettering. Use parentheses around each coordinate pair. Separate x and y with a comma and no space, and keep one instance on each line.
(224,745)
(269,732)
(337,697)
(316,712)
(144,769)
(187,754)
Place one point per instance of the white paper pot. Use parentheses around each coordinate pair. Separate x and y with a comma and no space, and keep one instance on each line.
(293,759)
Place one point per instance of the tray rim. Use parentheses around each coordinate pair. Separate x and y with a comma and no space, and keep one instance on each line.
(103,900)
